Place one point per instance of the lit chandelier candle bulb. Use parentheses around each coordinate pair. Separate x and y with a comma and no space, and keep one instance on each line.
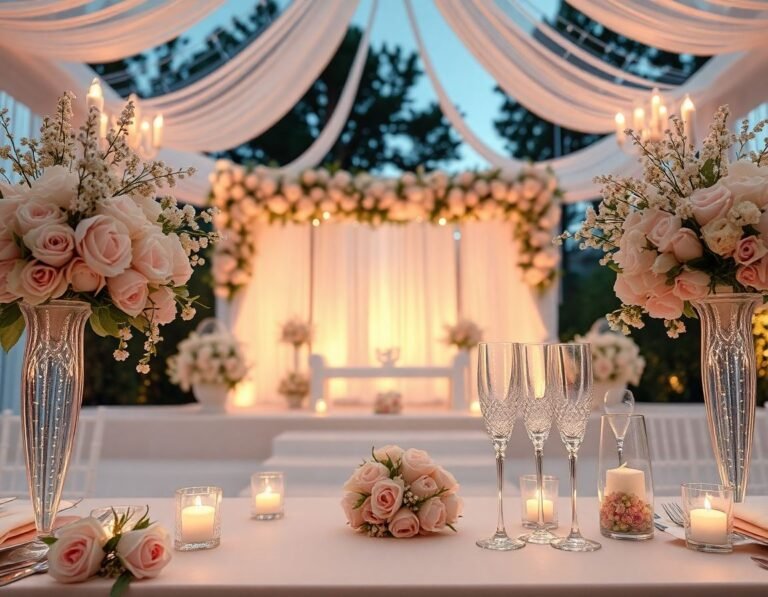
(709,526)
(621,125)
(103,125)
(687,114)
(655,109)
(638,120)
(157,131)
(663,116)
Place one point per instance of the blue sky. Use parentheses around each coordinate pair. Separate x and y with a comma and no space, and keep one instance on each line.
(465,81)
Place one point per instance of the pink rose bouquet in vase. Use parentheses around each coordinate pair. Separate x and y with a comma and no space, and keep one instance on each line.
(401,493)
(691,238)
(115,548)
(87,235)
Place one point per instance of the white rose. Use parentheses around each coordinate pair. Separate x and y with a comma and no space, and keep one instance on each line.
(57,186)
(721,236)
(124,209)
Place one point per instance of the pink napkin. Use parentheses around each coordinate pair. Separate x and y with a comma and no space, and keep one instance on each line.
(751,521)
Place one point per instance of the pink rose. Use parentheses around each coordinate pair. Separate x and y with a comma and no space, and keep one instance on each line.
(664,263)
(416,463)
(395,453)
(182,270)
(644,221)
(749,249)
(747,182)
(82,278)
(78,551)
(104,244)
(354,515)
(665,306)
(16,193)
(635,289)
(454,506)
(53,244)
(445,480)
(6,296)
(664,230)
(124,209)
(161,306)
(754,275)
(152,257)
(36,282)
(368,514)
(685,245)
(129,292)
(33,214)
(8,247)
(633,257)
(691,285)
(404,524)
(146,552)
(57,186)
(432,516)
(365,477)
(709,204)
(424,487)
(386,498)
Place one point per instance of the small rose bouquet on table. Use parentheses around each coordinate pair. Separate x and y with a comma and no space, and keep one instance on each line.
(695,224)
(212,358)
(465,335)
(87,548)
(401,493)
(296,332)
(388,403)
(615,358)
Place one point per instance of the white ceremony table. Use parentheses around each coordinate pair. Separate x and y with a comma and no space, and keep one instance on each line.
(312,553)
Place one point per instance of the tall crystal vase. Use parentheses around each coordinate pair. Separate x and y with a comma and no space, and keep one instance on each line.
(52,391)
(728,375)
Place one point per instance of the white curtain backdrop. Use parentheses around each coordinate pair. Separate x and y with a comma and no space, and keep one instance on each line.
(376,288)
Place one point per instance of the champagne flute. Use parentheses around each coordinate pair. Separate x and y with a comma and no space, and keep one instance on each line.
(621,403)
(537,404)
(572,383)
(497,365)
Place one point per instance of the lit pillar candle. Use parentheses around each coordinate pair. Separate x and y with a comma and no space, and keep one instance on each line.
(655,106)
(103,125)
(663,117)
(95,96)
(621,125)
(157,131)
(532,510)
(708,525)
(268,502)
(625,480)
(197,522)
(638,120)
(687,114)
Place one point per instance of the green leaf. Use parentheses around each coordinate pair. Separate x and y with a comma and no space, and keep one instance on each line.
(121,584)
(49,540)
(11,325)
(707,173)
(105,321)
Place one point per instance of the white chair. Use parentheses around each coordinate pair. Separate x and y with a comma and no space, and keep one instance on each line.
(82,466)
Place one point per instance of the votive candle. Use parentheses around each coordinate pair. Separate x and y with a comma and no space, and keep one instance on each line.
(198,518)
(267,496)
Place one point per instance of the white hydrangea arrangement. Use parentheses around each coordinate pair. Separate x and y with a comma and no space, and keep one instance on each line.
(616,358)
(210,358)
(249,197)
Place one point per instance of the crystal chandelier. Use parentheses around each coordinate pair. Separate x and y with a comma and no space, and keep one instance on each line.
(650,121)
(145,136)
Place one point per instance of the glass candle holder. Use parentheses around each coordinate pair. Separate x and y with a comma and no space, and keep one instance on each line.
(198,518)
(625,481)
(108,515)
(267,496)
(708,513)
(530,504)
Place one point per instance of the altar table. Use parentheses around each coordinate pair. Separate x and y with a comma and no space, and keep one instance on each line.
(312,553)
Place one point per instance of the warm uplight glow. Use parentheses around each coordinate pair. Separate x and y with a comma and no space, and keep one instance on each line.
(95,96)
(676,385)
(442,221)
(474,407)
(315,222)
(326,215)
(321,407)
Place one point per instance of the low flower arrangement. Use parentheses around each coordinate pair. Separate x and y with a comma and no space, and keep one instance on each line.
(465,335)
(625,513)
(90,221)
(388,403)
(695,224)
(296,332)
(211,358)
(401,493)
(294,387)
(615,358)
(249,197)
(86,548)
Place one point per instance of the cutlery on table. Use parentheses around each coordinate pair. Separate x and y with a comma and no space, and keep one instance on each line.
(7,500)
(11,577)
(762,562)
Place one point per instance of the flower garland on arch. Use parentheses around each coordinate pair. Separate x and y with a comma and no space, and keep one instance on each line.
(247,197)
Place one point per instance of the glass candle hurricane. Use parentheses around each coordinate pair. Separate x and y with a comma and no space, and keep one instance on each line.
(198,518)
(530,504)
(708,513)
(267,496)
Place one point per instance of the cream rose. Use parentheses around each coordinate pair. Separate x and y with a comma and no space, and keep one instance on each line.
(416,463)
(691,285)
(744,186)
(124,209)
(404,524)
(685,245)
(424,487)
(78,551)
(146,552)
(365,477)
(36,282)
(432,516)
(368,514)
(182,270)
(129,292)
(354,515)
(664,231)
(712,203)
(57,186)
(33,214)
(445,480)
(82,278)
(749,249)
(395,453)
(386,498)
(104,244)
(721,236)
(161,306)
(153,257)
(53,244)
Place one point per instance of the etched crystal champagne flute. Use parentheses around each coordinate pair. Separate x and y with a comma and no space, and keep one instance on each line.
(498,365)
(537,406)
(621,403)
(572,385)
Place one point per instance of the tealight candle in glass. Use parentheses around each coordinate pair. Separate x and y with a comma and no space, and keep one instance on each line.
(267,496)
(198,518)
(708,513)
(530,503)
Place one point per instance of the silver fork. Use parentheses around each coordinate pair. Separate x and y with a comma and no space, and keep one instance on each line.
(674,513)
(762,562)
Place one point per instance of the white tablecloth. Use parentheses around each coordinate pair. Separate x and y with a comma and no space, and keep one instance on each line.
(312,553)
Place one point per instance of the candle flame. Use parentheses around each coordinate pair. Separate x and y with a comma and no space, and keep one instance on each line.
(623,465)
(656,97)
(94,90)
(198,501)
(707,503)
(687,105)
(321,407)
(268,488)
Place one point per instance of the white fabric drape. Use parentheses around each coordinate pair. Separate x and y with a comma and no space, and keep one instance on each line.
(22,9)
(110,33)
(330,133)
(390,286)
(677,27)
